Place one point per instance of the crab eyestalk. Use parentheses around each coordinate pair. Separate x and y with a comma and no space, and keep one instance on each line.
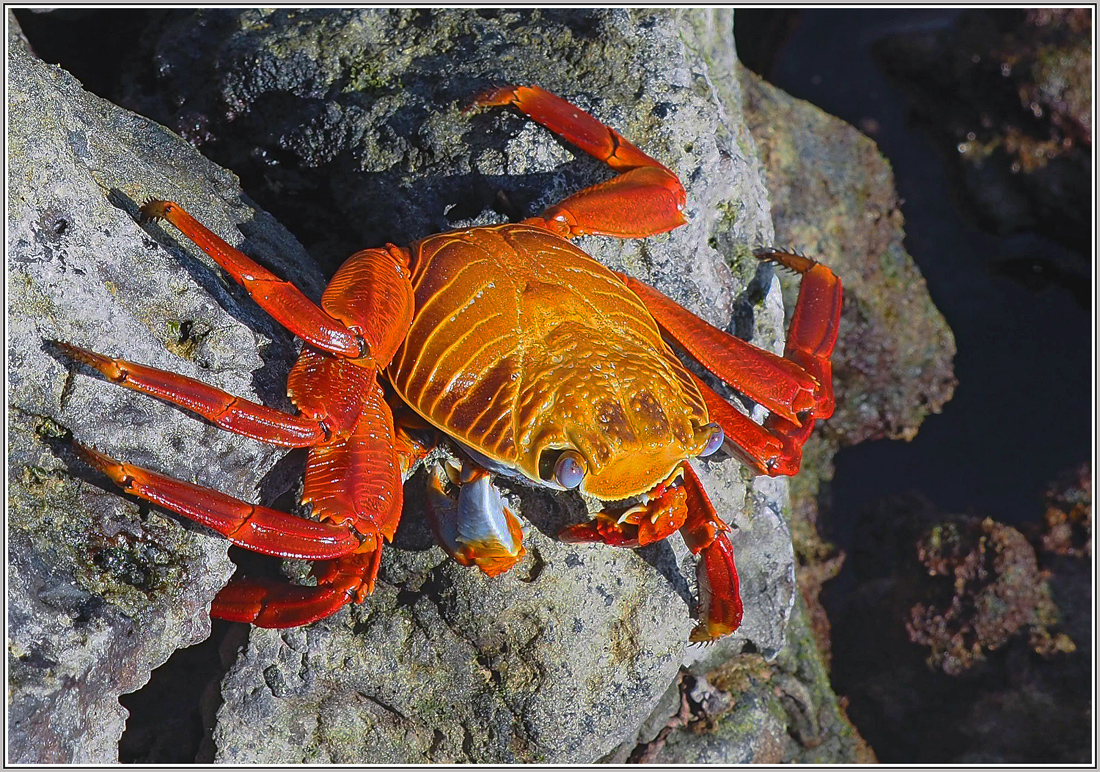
(717,439)
(570,469)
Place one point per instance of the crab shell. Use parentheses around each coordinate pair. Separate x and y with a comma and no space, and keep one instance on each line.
(521,346)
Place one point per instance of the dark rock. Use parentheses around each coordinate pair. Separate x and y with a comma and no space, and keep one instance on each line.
(963,616)
(1007,96)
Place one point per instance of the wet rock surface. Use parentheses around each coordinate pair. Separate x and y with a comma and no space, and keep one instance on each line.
(561,659)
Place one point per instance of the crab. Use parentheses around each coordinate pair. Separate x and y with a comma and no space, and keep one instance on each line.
(533,359)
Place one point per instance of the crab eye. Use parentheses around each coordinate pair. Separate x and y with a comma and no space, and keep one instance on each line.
(570,469)
(717,437)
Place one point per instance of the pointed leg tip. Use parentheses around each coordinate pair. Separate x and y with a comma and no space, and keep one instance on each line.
(154,209)
(709,631)
(92,456)
(84,356)
(497,96)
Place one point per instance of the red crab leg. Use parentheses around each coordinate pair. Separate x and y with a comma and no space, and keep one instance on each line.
(281,299)
(225,410)
(365,311)
(644,199)
(372,294)
(752,443)
(274,603)
(685,507)
(815,323)
(797,387)
(254,527)
(704,533)
(776,383)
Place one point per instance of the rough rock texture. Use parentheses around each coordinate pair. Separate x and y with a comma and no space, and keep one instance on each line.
(833,195)
(749,710)
(560,660)
(101,589)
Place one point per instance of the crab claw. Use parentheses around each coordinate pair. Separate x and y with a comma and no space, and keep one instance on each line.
(720,608)
(637,526)
(479,530)
(601,529)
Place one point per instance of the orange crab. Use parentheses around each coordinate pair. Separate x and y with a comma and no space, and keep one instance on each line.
(534,359)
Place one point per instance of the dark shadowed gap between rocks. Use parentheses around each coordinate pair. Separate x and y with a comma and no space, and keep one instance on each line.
(1018,300)
(1023,338)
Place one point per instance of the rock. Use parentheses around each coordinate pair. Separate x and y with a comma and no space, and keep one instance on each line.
(564,657)
(833,196)
(102,589)
(1007,97)
(752,711)
(966,617)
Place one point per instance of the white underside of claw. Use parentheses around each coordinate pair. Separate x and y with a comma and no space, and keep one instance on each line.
(478,528)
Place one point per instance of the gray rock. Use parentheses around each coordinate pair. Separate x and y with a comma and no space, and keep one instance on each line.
(101,589)
(564,657)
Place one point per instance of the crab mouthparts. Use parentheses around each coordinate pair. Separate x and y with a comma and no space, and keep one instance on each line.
(659,489)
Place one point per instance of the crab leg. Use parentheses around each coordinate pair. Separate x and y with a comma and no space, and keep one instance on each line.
(257,528)
(644,199)
(796,388)
(273,603)
(365,311)
(684,507)
(662,514)
(281,299)
(356,480)
(815,323)
(704,533)
(225,410)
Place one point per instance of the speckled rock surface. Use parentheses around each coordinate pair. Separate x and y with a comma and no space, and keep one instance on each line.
(749,710)
(100,589)
(563,658)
